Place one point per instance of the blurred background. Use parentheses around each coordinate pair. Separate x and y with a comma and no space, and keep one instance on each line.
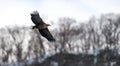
(87,33)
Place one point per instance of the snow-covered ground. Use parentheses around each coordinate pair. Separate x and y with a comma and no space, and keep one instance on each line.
(21,44)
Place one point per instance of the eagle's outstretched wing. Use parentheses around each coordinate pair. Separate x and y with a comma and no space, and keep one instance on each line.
(36,18)
(45,32)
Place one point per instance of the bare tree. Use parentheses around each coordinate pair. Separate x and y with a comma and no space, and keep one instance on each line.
(65,32)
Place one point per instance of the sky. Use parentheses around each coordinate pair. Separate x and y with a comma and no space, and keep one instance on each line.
(17,12)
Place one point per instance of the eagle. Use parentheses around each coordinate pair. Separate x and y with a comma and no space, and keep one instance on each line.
(41,26)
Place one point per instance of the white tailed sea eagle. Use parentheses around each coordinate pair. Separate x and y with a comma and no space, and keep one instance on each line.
(41,26)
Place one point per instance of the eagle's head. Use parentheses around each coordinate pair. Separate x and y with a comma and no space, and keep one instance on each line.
(34,13)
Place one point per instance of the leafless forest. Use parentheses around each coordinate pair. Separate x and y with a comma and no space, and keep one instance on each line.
(92,43)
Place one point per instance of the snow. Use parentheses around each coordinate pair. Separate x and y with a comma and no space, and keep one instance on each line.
(27,39)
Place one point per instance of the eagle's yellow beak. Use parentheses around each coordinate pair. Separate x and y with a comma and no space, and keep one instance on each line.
(48,25)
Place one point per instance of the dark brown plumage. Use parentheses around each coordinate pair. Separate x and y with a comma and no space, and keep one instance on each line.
(41,26)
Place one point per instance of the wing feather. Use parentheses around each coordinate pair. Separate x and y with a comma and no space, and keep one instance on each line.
(36,18)
(45,32)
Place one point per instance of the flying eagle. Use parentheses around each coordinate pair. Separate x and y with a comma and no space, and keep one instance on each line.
(41,26)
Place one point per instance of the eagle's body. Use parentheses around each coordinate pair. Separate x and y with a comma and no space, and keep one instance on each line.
(41,26)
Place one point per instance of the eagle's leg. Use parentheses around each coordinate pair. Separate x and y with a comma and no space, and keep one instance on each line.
(34,28)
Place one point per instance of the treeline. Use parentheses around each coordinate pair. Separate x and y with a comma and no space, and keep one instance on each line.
(19,44)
